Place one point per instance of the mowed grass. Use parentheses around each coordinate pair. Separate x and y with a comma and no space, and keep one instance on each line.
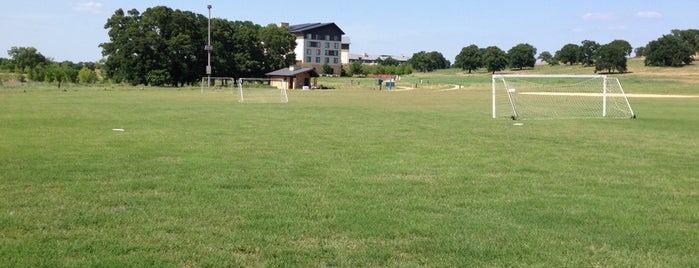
(352,177)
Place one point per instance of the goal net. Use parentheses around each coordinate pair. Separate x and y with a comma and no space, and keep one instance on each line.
(559,96)
(262,90)
(217,84)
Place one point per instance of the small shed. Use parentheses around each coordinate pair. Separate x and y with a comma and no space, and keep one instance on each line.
(294,78)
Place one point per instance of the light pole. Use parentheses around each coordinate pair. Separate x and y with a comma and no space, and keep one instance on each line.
(208,49)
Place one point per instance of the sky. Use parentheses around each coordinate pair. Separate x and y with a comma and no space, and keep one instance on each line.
(73,29)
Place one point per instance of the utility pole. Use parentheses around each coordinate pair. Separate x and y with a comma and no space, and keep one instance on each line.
(208,49)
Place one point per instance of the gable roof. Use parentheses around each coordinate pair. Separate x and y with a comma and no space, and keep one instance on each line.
(299,28)
(286,72)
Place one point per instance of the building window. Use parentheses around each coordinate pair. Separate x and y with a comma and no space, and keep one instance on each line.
(308,51)
(336,45)
(327,45)
(327,37)
(336,61)
(308,59)
(327,60)
(318,50)
(313,44)
(309,36)
(317,59)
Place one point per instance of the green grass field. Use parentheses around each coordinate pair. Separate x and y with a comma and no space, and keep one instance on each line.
(351,177)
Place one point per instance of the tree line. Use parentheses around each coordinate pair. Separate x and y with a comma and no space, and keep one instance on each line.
(162,46)
(675,49)
(29,64)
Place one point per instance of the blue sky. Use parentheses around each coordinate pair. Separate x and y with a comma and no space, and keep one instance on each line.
(73,29)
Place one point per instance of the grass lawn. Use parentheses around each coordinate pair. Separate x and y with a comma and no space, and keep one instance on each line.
(351,177)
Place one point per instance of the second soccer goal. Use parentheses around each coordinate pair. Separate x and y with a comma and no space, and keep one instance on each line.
(262,90)
(559,96)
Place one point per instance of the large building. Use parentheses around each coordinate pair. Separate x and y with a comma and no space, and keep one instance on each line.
(318,44)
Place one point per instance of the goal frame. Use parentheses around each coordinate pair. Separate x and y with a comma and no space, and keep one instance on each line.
(604,91)
(283,97)
(205,81)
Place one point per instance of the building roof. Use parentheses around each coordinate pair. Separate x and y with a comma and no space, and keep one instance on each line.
(299,28)
(369,57)
(291,72)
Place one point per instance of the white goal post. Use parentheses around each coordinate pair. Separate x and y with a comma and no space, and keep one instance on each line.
(559,96)
(217,84)
(262,90)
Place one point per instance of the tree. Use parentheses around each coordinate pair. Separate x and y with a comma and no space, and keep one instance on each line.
(87,76)
(494,59)
(327,69)
(610,57)
(26,57)
(522,55)
(277,45)
(569,54)
(548,58)
(158,78)
(356,68)
(427,62)
(689,37)
(469,58)
(588,49)
(624,45)
(668,50)
(640,51)
(388,61)
(60,73)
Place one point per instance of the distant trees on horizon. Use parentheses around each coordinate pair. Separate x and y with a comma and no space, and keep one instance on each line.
(162,46)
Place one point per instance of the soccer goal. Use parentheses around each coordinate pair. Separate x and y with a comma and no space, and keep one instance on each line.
(559,96)
(217,84)
(262,90)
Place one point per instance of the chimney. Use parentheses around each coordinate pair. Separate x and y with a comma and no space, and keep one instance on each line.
(283,25)
(292,68)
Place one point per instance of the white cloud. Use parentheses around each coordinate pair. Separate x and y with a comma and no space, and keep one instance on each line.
(649,15)
(598,16)
(89,7)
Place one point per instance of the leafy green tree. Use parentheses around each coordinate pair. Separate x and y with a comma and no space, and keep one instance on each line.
(588,49)
(611,57)
(624,45)
(26,57)
(388,62)
(640,51)
(277,42)
(87,76)
(356,68)
(124,51)
(158,78)
(522,55)
(327,69)
(689,37)
(427,62)
(668,50)
(569,54)
(494,59)
(469,58)
(548,58)
(60,73)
